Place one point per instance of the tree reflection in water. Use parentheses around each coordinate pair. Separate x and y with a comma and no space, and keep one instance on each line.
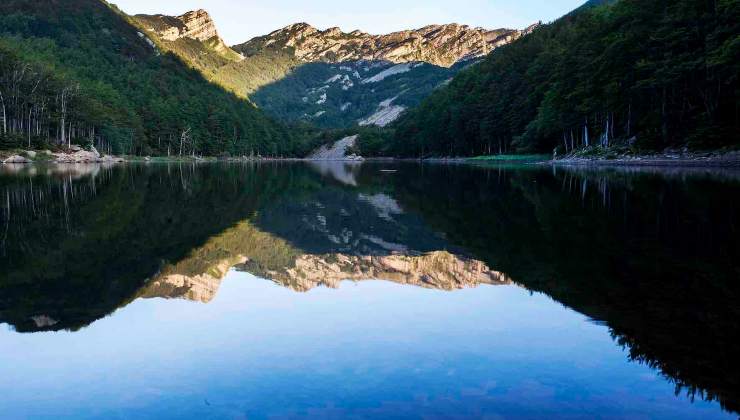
(651,255)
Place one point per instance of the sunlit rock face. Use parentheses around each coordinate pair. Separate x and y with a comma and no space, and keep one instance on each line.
(201,288)
(198,288)
(438,270)
(322,240)
(441,45)
(196,25)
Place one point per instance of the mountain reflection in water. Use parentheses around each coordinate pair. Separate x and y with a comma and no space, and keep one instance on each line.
(652,256)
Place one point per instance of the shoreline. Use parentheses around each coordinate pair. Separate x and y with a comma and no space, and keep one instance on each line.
(728,160)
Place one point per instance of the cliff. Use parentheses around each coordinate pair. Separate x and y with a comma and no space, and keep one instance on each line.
(441,45)
(195,25)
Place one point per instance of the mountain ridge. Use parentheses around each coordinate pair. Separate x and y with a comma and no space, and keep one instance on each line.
(87,75)
(627,75)
(330,78)
(438,44)
(197,25)
(441,45)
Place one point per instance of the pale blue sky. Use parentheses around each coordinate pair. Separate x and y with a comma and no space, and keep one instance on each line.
(240,20)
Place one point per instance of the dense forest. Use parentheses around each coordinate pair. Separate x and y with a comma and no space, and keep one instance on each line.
(78,71)
(645,74)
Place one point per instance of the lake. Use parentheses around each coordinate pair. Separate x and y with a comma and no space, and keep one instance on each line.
(375,290)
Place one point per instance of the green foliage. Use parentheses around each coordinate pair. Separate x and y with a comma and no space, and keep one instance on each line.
(88,247)
(225,67)
(371,141)
(298,96)
(128,97)
(509,158)
(662,72)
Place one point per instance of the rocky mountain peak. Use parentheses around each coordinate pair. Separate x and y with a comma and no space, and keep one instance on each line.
(196,24)
(441,45)
(437,270)
(332,32)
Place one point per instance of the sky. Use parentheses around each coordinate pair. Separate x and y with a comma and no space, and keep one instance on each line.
(241,20)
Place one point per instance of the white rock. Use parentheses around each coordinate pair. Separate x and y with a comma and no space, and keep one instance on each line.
(16,159)
(385,114)
(397,69)
(336,151)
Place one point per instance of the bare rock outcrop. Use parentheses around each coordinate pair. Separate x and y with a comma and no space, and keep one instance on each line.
(197,288)
(18,159)
(336,151)
(441,45)
(196,25)
(78,155)
(437,270)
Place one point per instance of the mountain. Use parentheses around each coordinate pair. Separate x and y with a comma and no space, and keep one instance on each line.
(247,248)
(329,78)
(195,25)
(346,94)
(642,75)
(193,37)
(346,79)
(440,45)
(438,270)
(79,71)
(140,231)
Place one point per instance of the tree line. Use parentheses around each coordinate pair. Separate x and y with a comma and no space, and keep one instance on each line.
(78,72)
(36,108)
(646,74)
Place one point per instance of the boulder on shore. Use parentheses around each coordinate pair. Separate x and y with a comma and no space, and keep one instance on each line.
(17,159)
(75,155)
(109,158)
(355,158)
(78,156)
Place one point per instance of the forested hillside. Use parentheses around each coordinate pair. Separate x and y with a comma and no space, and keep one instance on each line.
(194,38)
(354,92)
(327,78)
(78,71)
(649,74)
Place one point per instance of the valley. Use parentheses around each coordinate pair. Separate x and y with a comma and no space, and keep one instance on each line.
(329,78)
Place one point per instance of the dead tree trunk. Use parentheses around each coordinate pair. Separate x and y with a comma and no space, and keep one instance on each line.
(5,116)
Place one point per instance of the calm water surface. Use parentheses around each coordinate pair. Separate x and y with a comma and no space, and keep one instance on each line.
(382,290)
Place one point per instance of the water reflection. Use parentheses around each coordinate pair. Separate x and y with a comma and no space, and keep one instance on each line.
(343,172)
(653,257)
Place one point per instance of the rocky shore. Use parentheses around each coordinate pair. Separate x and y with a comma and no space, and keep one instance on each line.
(74,154)
(665,159)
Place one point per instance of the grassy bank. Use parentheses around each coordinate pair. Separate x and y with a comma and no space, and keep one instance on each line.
(511,158)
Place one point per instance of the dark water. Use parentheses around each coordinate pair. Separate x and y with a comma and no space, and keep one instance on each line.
(373,291)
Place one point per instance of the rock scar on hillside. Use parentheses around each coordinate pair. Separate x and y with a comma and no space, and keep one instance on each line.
(336,151)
